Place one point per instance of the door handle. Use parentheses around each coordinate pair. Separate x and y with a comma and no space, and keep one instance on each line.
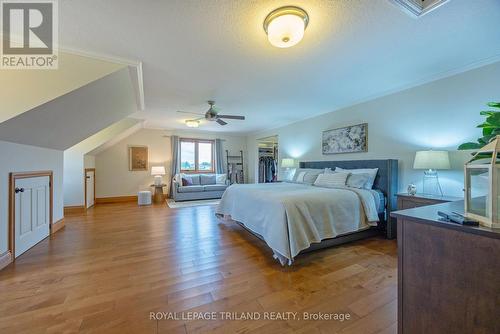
(87,177)
(19,190)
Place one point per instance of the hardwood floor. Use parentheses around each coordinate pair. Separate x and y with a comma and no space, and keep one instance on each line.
(107,270)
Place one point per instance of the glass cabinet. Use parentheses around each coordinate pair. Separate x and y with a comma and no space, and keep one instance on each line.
(482,181)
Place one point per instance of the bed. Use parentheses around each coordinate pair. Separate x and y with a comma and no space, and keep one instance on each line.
(295,218)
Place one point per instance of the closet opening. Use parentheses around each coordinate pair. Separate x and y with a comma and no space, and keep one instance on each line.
(268,159)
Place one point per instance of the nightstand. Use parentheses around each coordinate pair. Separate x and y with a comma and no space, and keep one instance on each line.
(158,197)
(406,201)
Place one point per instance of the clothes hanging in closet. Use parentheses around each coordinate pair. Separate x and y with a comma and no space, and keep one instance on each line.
(267,169)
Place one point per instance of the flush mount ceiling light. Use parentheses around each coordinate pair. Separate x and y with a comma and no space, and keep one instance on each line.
(192,123)
(285,26)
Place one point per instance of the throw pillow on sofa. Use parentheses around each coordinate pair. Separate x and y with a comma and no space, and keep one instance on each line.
(187,181)
(220,178)
(206,179)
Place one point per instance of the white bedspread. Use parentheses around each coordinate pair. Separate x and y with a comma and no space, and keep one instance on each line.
(290,217)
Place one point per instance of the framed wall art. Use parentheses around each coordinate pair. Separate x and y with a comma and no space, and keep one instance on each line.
(349,139)
(138,158)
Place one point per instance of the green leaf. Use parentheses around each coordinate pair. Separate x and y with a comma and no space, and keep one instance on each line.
(470,146)
(486,139)
(488,131)
(487,112)
(487,125)
(494,119)
(490,128)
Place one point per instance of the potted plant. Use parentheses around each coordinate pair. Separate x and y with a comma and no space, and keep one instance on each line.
(491,128)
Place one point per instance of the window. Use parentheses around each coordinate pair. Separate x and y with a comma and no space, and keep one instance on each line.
(197,155)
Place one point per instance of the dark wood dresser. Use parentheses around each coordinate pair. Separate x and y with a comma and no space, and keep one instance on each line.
(448,274)
(406,201)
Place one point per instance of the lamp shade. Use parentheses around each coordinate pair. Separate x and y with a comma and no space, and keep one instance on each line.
(287,163)
(432,160)
(157,170)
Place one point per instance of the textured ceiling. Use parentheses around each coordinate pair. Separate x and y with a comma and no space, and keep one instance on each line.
(353,50)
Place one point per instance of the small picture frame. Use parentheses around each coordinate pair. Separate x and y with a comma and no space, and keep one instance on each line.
(138,158)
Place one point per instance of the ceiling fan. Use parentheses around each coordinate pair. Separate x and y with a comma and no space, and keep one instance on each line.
(212,114)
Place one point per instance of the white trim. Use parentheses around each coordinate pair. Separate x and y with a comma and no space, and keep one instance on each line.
(416,9)
(140,88)
(134,65)
(101,56)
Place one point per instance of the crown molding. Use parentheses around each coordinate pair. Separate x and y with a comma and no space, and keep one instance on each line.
(100,56)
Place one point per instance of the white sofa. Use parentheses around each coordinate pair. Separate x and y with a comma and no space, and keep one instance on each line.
(204,186)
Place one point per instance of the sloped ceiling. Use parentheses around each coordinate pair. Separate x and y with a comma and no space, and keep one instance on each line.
(352,51)
(23,90)
(106,135)
(75,116)
(119,137)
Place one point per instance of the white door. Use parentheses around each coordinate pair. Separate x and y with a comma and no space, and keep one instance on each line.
(32,212)
(89,180)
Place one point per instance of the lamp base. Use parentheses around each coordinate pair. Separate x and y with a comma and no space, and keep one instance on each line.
(158,180)
(431,185)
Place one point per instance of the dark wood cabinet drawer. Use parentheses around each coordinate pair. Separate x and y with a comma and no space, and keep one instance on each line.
(410,203)
(406,201)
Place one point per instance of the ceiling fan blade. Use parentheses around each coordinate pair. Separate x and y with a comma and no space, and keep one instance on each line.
(221,122)
(188,112)
(231,117)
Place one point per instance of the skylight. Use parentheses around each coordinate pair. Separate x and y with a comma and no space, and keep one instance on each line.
(418,8)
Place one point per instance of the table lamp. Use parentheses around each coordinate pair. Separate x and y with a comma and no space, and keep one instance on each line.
(158,172)
(287,163)
(431,161)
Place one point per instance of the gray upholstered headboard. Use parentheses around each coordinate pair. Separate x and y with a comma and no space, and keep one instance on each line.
(386,180)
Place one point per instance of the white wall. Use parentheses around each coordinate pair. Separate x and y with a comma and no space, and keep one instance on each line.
(73,178)
(75,160)
(438,115)
(23,158)
(113,177)
(88,161)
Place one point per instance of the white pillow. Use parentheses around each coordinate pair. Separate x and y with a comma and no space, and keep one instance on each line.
(357,180)
(331,180)
(300,177)
(288,174)
(220,178)
(372,173)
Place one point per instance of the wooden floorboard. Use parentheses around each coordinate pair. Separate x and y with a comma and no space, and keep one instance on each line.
(112,266)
